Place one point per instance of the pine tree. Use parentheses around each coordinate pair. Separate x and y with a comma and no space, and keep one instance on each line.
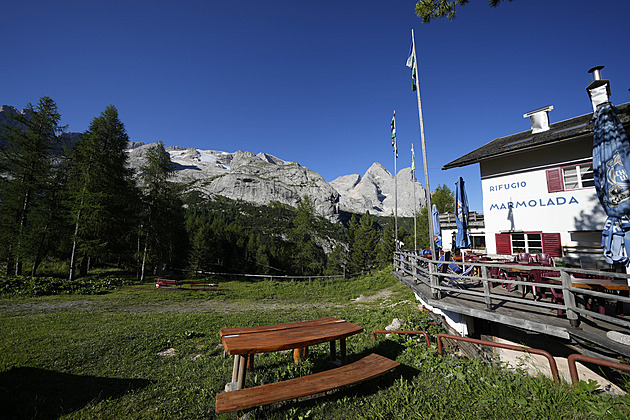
(101,191)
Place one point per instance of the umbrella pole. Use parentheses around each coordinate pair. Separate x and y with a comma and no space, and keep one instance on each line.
(424,149)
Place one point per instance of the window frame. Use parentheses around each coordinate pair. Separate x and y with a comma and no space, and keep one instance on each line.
(551,243)
(578,174)
(526,241)
(557,177)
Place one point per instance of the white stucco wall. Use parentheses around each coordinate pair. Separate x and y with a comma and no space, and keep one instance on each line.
(520,202)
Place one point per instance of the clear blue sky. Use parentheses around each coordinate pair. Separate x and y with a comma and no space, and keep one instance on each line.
(314,82)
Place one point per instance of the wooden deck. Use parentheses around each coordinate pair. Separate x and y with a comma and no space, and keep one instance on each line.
(466,296)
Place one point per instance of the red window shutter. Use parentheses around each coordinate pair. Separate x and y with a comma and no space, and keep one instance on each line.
(551,244)
(504,243)
(554,180)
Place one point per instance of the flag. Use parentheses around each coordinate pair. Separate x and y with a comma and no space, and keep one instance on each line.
(413,159)
(394,145)
(411,63)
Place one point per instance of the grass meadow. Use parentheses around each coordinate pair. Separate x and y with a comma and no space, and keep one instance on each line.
(94,353)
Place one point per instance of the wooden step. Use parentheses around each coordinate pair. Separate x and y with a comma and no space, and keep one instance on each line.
(362,370)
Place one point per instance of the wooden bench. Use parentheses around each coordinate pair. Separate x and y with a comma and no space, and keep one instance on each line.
(166,283)
(362,370)
(204,284)
(582,249)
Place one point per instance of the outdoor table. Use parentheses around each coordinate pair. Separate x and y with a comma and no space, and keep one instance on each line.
(592,284)
(611,285)
(243,343)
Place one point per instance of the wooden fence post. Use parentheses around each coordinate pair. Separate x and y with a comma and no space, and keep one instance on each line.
(435,280)
(486,287)
(569,299)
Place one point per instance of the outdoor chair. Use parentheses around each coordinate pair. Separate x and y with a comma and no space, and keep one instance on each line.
(508,275)
(544,259)
(493,273)
(557,297)
(444,267)
(523,257)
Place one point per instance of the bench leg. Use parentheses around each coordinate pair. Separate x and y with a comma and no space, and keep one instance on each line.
(240,383)
(237,359)
(233,386)
(333,350)
(300,354)
(250,362)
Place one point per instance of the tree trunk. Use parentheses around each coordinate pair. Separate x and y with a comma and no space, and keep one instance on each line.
(138,261)
(144,257)
(39,255)
(73,255)
(10,261)
(21,226)
(83,269)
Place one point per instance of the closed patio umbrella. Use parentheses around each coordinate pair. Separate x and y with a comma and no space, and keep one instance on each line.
(437,230)
(462,239)
(611,158)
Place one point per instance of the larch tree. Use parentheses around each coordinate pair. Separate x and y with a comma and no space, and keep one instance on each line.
(31,150)
(308,257)
(162,226)
(363,253)
(386,247)
(101,192)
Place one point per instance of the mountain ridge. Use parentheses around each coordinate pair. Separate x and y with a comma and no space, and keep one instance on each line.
(263,178)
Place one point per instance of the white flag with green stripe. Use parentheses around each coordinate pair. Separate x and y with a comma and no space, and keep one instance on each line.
(394,145)
(413,159)
(411,63)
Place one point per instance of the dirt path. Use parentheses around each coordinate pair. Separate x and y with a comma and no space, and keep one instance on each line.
(43,305)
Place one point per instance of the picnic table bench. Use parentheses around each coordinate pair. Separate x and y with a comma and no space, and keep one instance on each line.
(166,283)
(362,370)
(243,343)
(204,284)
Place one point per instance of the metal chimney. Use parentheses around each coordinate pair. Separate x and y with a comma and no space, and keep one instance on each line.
(539,119)
(599,89)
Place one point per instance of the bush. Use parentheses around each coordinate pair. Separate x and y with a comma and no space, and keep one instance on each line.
(41,286)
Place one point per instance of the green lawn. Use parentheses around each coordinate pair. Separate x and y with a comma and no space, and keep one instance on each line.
(96,356)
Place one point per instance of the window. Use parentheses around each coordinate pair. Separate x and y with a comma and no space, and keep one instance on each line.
(526,242)
(531,242)
(570,177)
(478,241)
(578,176)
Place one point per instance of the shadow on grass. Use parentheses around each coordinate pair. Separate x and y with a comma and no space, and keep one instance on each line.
(391,349)
(32,393)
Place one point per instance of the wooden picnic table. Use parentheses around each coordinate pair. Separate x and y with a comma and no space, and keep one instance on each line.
(243,343)
(592,284)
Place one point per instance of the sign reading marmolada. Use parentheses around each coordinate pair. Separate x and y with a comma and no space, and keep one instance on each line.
(508,193)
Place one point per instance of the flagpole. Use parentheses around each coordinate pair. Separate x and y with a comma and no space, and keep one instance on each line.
(395,146)
(396,200)
(415,210)
(424,150)
(396,190)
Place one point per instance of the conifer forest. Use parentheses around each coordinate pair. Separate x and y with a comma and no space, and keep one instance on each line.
(68,207)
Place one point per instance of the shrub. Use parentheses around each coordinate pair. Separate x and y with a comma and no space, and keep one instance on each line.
(41,286)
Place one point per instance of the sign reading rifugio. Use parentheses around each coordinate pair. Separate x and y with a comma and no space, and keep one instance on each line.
(528,202)
(508,186)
